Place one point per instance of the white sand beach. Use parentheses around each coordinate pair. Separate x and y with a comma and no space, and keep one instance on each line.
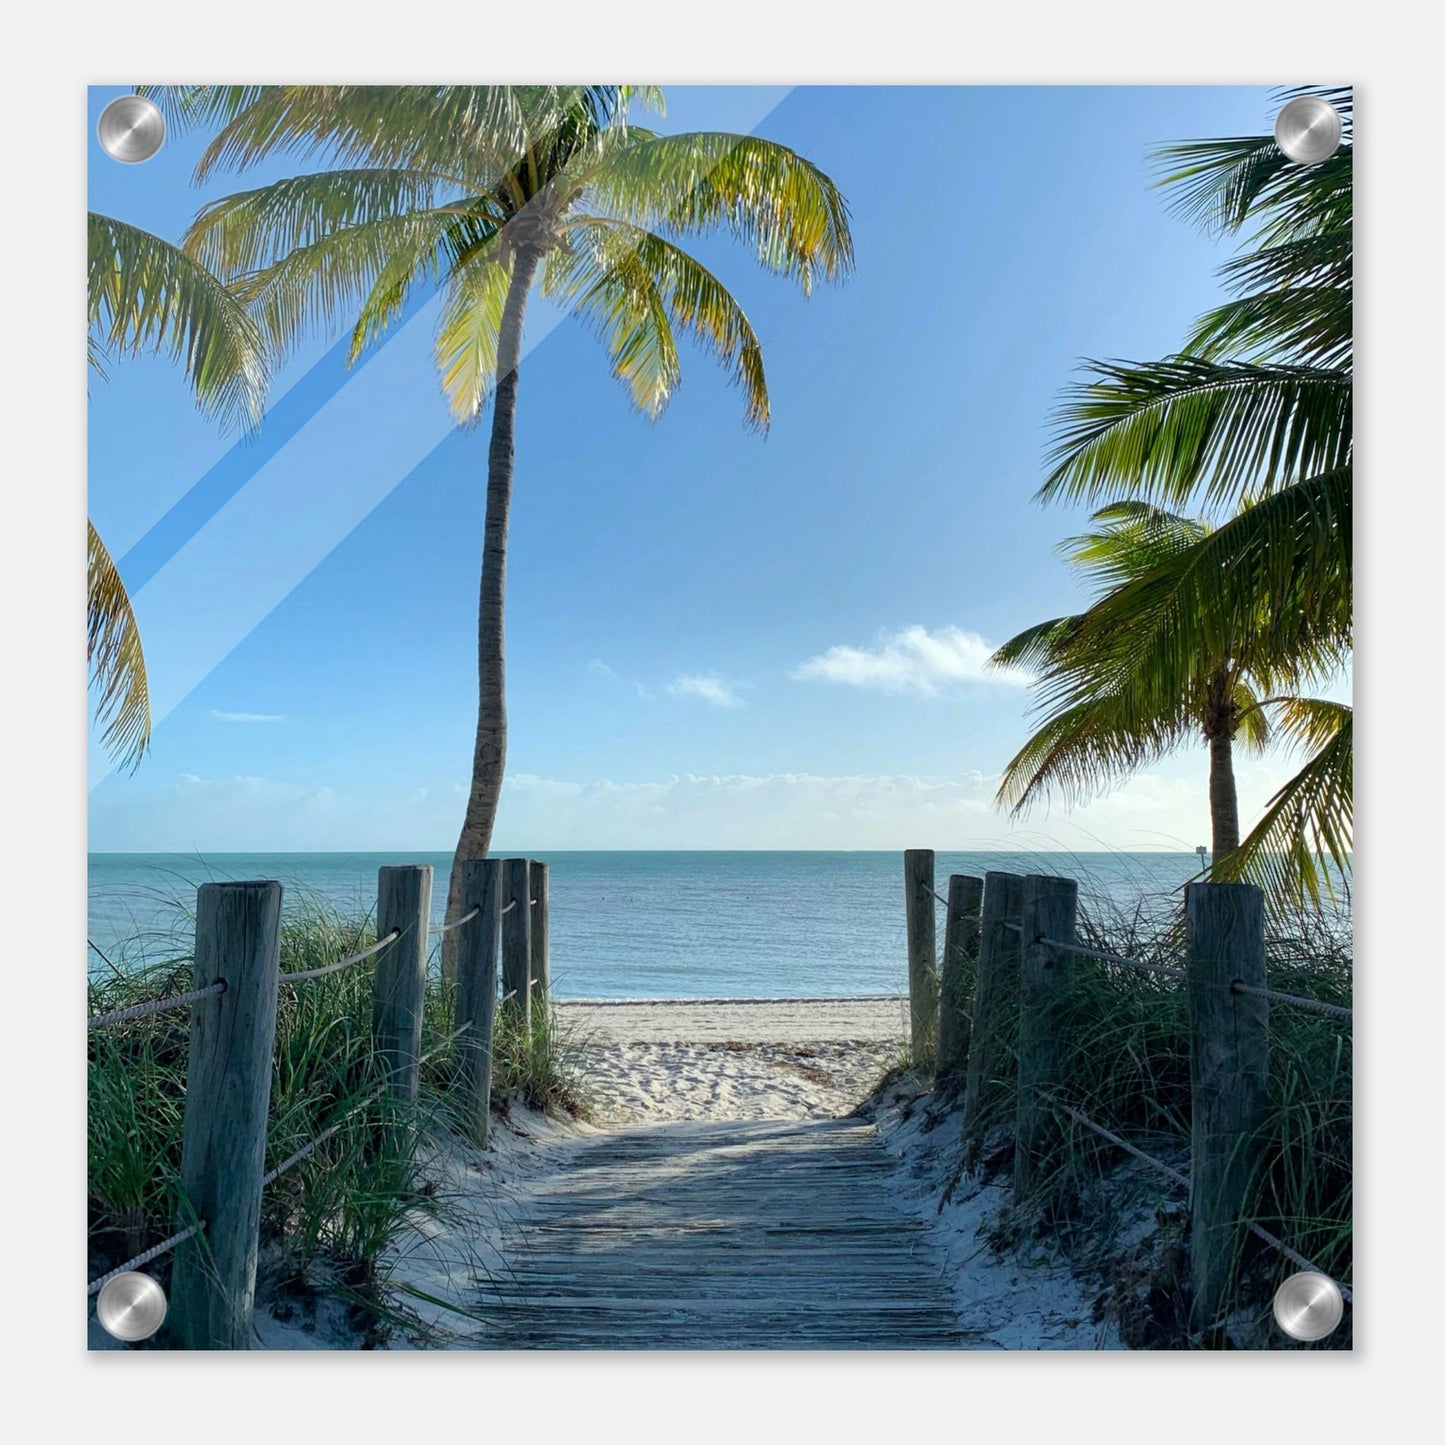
(648,1062)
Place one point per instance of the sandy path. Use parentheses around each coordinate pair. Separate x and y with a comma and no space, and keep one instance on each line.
(792,1059)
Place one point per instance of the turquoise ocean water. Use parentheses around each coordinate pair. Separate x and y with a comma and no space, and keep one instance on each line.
(641,925)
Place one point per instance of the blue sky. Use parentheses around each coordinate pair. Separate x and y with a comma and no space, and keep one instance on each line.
(714,639)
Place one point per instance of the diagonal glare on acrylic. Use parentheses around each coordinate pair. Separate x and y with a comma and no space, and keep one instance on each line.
(269,535)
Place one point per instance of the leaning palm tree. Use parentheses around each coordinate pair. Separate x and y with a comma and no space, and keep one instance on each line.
(1255,414)
(1133,677)
(492,193)
(144,294)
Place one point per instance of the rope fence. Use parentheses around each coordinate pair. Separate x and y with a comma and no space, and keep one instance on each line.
(1295,1257)
(1182,1180)
(301,975)
(1083,1119)
(1119,958)
(153,1253)
(228,1075)
(155,1006)
(1313,1005)
(457,922)
(269,1178)
(307,1150)
(996,1014)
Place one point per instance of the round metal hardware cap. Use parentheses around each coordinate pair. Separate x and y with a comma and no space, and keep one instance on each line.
(131,129)
(1308,130)
(1308,1306)
(132,1306)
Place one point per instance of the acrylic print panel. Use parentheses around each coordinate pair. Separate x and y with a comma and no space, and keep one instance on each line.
(721,719)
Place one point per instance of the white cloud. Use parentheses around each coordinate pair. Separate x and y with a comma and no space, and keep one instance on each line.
(1165,808)
(1168,809)
(707,686)
(598,668)
(914,660)
(247,717)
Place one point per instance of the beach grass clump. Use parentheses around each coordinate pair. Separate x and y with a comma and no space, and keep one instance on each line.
(1127,1069)
(335,1214)
(539,1062)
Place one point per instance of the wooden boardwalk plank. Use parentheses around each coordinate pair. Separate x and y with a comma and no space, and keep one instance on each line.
(728,1235)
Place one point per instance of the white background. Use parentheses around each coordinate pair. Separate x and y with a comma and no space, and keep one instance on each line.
(54,52)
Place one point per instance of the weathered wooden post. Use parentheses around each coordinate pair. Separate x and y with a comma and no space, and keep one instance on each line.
(956,972)
(228,1096)
(541,963)
(403,904)
(477,991)
(517,942)
(918,901)
(1228,1076)
(995,1010)
(1046,980)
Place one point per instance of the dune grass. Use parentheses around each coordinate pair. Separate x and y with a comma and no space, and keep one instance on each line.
(1128,1070)
(335,1214)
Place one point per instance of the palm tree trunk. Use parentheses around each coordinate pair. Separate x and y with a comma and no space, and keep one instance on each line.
(489,753)
(1223,798)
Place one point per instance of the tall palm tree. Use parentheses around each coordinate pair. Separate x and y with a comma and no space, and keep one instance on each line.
(144,294)
(1255,414)
(490,193)
(1118,685)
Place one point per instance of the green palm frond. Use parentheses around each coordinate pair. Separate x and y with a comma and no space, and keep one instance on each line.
(787,210)
(421,128)
(368,270)
(1180,615)
(442,243)
(1307,325)
(1325,258)
(1102,716)
(95,357)
(1131,539)
(477,135)
(611,289)
(1084,748)
(469,331)
(1036,647)
(251,230)
(200,107)
(1166,429)
(117,662)
(636,288)
(1226,184)
(146,294)
(1271,589)
(1255,733)
(646,97)
(1309,822)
